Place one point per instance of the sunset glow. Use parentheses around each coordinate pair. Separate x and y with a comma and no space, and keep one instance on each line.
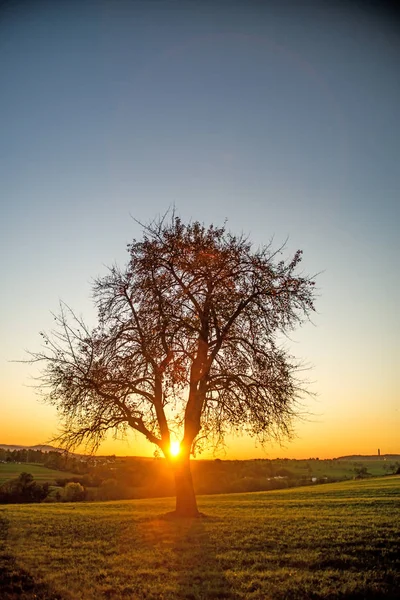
(175,448)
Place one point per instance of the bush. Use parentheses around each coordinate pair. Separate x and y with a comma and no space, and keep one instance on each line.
(361,472)
(111,489)
(73,492)
(23,490)
(55,495)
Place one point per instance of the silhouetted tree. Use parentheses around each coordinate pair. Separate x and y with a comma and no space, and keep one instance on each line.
(187,338)
(361,472)
(23,489)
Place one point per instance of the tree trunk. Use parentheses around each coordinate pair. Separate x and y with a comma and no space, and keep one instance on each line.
(186,504)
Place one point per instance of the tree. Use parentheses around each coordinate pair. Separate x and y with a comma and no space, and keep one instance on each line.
(187,341)
(23,489)
(73,492)
(361,472)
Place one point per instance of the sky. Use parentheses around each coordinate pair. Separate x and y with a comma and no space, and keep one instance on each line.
(281,117)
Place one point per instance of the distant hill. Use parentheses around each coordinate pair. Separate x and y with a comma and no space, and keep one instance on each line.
(368,457)
(48,448)
(41,447)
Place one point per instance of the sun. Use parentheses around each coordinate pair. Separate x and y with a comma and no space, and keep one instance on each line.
(175,448)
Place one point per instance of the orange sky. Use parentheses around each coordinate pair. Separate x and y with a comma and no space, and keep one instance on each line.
(283,122)
(328,434)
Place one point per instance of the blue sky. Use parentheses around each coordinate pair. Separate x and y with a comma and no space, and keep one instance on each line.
(282,118)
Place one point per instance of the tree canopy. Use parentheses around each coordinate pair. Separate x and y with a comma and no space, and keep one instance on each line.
(188,340)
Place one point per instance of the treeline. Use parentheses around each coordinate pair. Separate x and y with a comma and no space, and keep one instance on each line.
(61,461)
(130,478)
(23,490)
(141,478)
(108,478)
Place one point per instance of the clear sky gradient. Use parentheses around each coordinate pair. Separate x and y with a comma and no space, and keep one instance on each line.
(281,117)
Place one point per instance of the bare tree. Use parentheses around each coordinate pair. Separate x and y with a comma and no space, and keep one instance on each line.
(187,337)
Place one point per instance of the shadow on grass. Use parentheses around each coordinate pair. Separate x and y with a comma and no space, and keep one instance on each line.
(16,583)
(194,570)
(200,574)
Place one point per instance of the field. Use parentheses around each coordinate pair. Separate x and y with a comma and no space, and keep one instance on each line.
(40,473)
(333,541)
(337,468)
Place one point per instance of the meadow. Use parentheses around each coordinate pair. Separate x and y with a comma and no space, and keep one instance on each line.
(40,473)
(338,540)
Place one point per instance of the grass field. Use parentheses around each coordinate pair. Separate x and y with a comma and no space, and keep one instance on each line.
(40,473)
(337,468)
(332,541)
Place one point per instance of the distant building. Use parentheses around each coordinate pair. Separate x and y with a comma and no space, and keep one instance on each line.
(379,451)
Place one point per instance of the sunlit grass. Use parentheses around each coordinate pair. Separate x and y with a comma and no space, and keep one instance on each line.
(332,541)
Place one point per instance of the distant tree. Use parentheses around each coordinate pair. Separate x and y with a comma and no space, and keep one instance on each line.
(187,340)
(361,472)
(73,492)
(393,467)
(23,489)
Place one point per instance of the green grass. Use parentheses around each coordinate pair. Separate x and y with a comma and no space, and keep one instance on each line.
(40,473)
(340,469)
(323,542)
